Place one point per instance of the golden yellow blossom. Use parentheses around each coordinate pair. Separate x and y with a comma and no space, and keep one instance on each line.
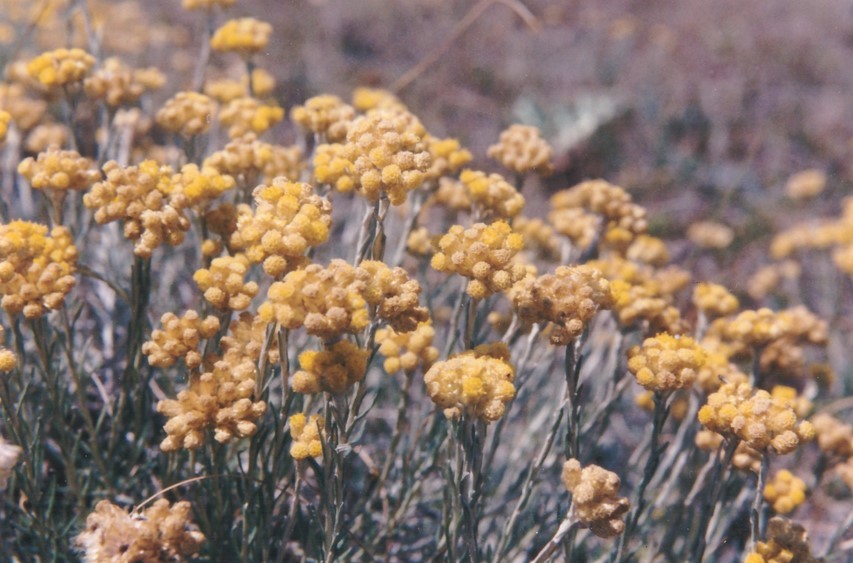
(806,184)
(666,363)
(247,159)
(201,186)
(225,90)
(394,295)
(244,36)
(483,254)
(307,434)
(419,242)
(326,116)
(247,335)
(116,83)
(159,533)
(407,351)
(288,219)
(833,436)
(646,249)
(714,300)
(46,135)
(787,542)
(61,67)
(26,112)
(540,238)
(757,418)
(334,369)
(179,338)
(522,149)
(36,268)
(187,113)
(710,234)
(365,99)
(601,198)
(224,284)
(569,298)
(595,498)
(220,399)
(206,4)
(59,170)
(447,156)
(249,115)
(8,361)
(785,492)
(5,119)
(478,382)
(491,196)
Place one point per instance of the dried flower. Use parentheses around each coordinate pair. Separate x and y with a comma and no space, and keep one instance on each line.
(224,284)
(246,158)
(714,300)
(407,351)
(539,236)
(522,149)
(59,170)
(187,113)
(206,4)
(786,542)
(245,36)
(116,84)
(806,184)
(8,361)
(326,116)
(307,434)
(709,234)
(483,254)
(365,99)
(26,112)
(158,533)
(201,186)
(44,136)
(601,198)
(334,369)
(569,298)
(179,339)
(595,498)
(478,382)
(36,268)
(833,436)
(447,157)
(249,115)
(61,67)
(785,492)
(491,196)
(666,363)
(394,295)
(5,119)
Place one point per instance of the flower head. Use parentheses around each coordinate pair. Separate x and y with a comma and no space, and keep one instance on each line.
(249,115)
(224,284)
(187,113)
(522,149)
(61,67)
(666,363)
(785,492)
(333,369)
(59,170)
(406,351)
(307,434)
(245,36)
(326,116)
(595,498)
(179,338)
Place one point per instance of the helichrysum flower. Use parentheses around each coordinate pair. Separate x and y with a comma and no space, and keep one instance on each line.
(187,113)
(786,542)
(666,363)
(407,351)
(785,492)
(9,454)
(247,336)
(477,382)
(334,369)
(115,83)
(366,99)
(710,234)
(201,186)
(224,284)
(328,301)
(178,339)
(8,361)
(225,90)
(447,155)
(384,154)
(326,116)
(158,533)
(26,112)
(491,195)
(44,136)
(483,254)
(394,295)
(59,170)
(61,67)
(36,268)
(307,434)
(206,4)
(249,115)
(647,249)
(806,184)
(220,399)
(5,119)
(757,418)
(247,159)
(540,238)
(601,198)
(595,498)
(245,36)
(289,218)
(714,300)
(522,149)
(145,198)
(834,437)
(569,298)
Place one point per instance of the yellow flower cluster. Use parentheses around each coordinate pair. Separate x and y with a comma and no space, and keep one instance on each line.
(447,157)
(221,398)
(334,369)
(307,434)
(647,249)
(117,84)
(245,158)
(569,298)
(206,4)
(221,222)
(492,195)
(478,382)
(836,234)
(249,115)
(539,237)
(247,336)
(8,361)
(366,99)
(665,363)
(36,268)
(787,542)
(26,112)
(762,327)
(201,186)
(595,498)
(714,300)
(61,67)
(288,219)
(5,119)
(483,254)
(224,284)
(187,113)
(394,295)
(328,301)
(806,184)
(179,339)
(600,198)
(384,154)
(326,116)
(407,351)
(245,36)
(159,533)
(146,200)
(710,234)
(46,135)
(785,492)
(757,418)
(225,90)
(522,149)
(59,170)
(833,436)
(718,368)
